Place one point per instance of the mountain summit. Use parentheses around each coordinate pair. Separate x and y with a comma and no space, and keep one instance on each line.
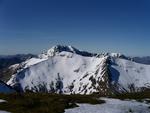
(60,48)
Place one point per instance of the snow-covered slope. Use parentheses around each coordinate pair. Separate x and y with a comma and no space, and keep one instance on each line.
(129,76)
(112,106)
(69,70)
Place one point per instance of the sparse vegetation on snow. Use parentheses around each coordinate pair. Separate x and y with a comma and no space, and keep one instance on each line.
(43,103)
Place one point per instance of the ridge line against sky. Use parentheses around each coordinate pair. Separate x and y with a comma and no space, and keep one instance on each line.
(31,26)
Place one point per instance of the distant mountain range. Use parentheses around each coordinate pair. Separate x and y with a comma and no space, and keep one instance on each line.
(7,60)
(142,60)
(65,69)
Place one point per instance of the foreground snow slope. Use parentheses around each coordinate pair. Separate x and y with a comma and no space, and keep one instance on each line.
(68,70)
(112,106)
(4,111)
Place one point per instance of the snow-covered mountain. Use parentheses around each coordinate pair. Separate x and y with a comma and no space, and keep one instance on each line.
(65,69)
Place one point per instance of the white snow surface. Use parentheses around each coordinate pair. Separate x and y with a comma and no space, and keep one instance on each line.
(4,111)
(14,66)
(1,100)
(131,73)
(112,106)
(32,61)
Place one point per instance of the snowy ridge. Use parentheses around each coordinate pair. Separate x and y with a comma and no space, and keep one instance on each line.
(65,69)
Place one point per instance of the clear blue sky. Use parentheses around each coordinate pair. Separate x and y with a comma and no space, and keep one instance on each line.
(31,26)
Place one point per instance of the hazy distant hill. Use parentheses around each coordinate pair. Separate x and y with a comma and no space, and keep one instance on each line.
(143,60)
(7,61)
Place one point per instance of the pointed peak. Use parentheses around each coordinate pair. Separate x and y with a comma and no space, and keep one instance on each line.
(60,48)
(57,49)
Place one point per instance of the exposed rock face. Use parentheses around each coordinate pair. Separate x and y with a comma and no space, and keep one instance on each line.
(104,83)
